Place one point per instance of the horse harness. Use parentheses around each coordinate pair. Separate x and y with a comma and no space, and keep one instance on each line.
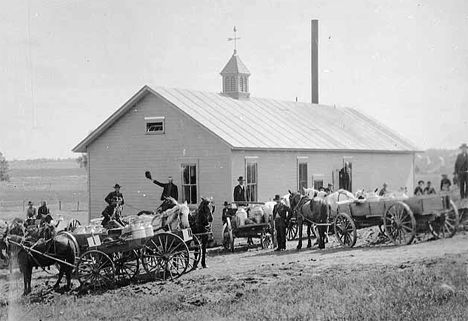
(301,203)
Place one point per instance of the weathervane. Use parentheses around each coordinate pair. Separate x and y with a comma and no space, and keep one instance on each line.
(235,39)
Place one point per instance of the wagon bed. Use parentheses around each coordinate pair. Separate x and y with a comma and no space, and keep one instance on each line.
(400,219)
(103,261)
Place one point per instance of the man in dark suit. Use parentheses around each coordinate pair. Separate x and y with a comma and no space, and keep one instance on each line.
(281,214)
(169,189)
(345,177)
(239,192)
(113,199)
(461,170)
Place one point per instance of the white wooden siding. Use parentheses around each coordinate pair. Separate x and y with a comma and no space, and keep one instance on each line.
(123,153)
(277,171)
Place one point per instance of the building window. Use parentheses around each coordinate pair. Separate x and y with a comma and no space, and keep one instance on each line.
(227,84)
(189,183)
(233,84)
(241,83)
(302,174)
(154,125)
(318,183)
(245,85)
(251,170)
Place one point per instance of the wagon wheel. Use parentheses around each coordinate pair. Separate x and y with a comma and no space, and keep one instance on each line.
(165,256)
(194,247)
(446,225)
(127,266)
(291,231)
(228,236)
(95,270)
(265,240)
(400,224)
(72,225)
(345,230)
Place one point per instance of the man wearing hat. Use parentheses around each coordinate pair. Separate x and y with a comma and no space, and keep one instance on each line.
(445,183)
(329,188)
(239,192)
(115,195)
(461,170)
(113,199)
(281,214)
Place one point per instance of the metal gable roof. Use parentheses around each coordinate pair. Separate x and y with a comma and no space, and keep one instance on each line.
(273,124)
(260,123)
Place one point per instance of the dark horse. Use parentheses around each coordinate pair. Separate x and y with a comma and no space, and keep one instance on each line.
(201,224)
(314,211)
(60,247)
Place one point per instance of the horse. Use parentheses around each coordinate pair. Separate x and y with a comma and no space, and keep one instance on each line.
(201,224)
(174,218)
(314,211)
(60,247)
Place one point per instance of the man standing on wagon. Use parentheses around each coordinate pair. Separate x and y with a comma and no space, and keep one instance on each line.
(240,194)
(461,170)
(281,214)
(169,188)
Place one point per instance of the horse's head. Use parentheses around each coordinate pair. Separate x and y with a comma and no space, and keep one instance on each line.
(310,192)
(294,199)
(207,208)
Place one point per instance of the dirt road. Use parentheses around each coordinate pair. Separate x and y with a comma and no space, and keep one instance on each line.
(386,254)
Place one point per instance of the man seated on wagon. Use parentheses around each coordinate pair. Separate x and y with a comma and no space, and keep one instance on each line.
(228,212)
(419,190)
(113,199)
(429,189)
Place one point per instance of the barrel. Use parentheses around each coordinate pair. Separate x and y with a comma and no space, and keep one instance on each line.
(138,232)
(149,232)
(241,216)
(257,214)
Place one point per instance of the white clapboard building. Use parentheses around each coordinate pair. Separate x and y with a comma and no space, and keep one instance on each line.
(207,140)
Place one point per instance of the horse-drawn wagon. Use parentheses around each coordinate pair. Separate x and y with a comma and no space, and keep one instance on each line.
(399,218)
(101,258)
(249,222)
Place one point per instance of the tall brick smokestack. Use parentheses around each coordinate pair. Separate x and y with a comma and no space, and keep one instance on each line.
(314,61)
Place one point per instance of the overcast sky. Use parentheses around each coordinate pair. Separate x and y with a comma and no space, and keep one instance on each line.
(65,66)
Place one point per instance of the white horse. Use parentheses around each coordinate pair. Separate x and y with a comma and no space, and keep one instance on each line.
(175,218)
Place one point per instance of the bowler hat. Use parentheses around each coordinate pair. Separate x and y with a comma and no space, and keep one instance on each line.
(226,203)
(277,197)
(117,186)
(464,145)
(241,178)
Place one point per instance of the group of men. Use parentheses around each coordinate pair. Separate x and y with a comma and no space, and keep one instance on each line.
(42,213)
(115,199)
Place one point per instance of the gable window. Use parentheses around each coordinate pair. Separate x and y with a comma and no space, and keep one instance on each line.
(251,170)
(189,183)
(154,125)
(302,173)
(242,84)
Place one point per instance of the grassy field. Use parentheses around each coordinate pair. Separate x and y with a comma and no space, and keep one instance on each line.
(54,181)
(427,290)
